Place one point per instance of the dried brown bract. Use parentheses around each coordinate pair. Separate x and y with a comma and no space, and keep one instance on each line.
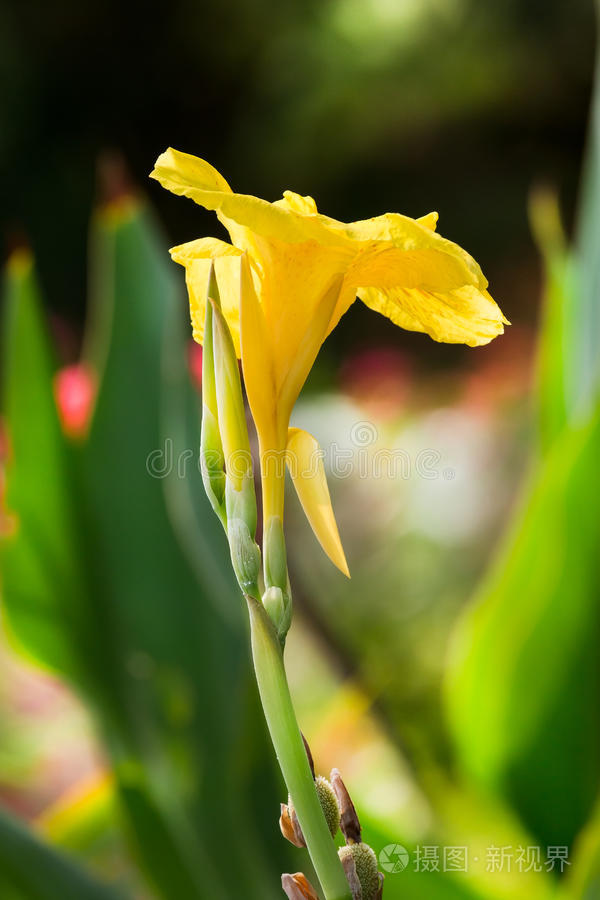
(349,822)
(298,887)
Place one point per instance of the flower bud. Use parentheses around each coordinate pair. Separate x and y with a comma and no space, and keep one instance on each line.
(230,403)
(211,448)
(360,864)
(245,555)
(276,574)
(225,394)
(277,597)
(278,610)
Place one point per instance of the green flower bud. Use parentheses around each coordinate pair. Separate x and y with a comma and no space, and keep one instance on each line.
(274,604)
(278,602)
(275,555)
(225,404)
(245,555)
(230,403)
(365,864)
(211,448)
(241,503)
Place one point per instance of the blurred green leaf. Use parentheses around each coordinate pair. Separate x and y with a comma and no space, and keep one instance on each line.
(557,363)
(42,579)
(586,316)
(31,870)
(523,687)
(583,878)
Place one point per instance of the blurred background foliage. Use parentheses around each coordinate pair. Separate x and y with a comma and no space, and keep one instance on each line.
(454,679)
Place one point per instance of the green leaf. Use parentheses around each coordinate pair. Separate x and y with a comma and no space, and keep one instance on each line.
(42,578)
(557,360)
(583,878)
(523,687)
(586,315)
(31,870)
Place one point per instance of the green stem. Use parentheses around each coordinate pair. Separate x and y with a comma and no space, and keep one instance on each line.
(289,747)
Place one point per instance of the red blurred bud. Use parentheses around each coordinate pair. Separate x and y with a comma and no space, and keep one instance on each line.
(195,363)
(75,392)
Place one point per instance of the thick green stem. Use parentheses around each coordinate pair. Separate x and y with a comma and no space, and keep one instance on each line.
(289,747)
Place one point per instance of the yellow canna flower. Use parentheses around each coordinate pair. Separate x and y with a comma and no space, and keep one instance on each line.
(286,279)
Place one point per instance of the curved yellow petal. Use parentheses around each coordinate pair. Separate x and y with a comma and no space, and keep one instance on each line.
(420,280)
(197,257)
(298,203)
(429,221)
(295,284)
(179,172)
(203,248)
(242,214)
(464,315)
(257,357)
(305,464)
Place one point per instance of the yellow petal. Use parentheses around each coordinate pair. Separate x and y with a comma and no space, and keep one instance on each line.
(257,357)
(189,176)
(298,349)
(179,171)
(197,257)
(203,248)
(464,315)
(429,221)
(421,281)
(298,203)
(306,468)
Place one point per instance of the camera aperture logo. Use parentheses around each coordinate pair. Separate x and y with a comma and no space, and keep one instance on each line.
(393,858)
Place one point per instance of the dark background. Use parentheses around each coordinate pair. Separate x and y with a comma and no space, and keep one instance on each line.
(373,106)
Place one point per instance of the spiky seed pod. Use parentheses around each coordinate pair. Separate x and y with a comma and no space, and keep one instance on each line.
(289,824)
(351,876)
(365,863)
(329,803)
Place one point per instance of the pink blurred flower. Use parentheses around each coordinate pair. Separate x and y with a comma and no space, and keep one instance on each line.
(195,363)
(75,392)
